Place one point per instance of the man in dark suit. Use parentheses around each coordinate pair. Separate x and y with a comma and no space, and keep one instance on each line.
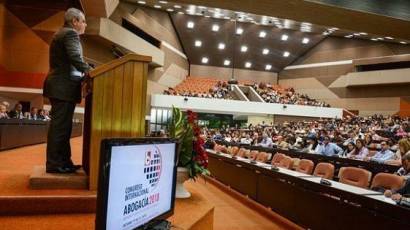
(63,87)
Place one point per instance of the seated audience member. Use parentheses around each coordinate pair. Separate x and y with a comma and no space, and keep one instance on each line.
(312,144)
(361,150)
(329,149)
(256,139)
(33,114)
(7,105)
(352,138)
(405,169)
(404,147)
(41,114)
(384,154)
(17,112)
(3,112)
(246,140)
(280,143)
(228,138)
(350,149)
(266,141)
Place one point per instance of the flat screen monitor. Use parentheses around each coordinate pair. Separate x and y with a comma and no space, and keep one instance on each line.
(136,182)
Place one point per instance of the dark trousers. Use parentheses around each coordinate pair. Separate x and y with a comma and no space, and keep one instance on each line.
(59,133)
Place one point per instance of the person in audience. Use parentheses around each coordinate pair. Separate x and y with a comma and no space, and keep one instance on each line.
(352,138)
(41,114)
(246,140)
(266,141)
(33,114)
(405,190)
(312,144)
(7,105)
(17,112)
(350,149)
(383,155)
(404,171)
(280,143)
(329,149)
(404,147)
(3,112)
(361,150)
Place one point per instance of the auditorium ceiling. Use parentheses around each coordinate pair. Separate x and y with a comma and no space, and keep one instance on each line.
(226,38)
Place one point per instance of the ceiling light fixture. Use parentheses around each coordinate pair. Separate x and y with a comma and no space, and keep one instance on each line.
(221,46)
(349,36)
(157,6)
(205,60)
(305,40)
(215,28)
(363,33)
(389,38)
(190,25)
(239,31)
(404,43)
(262,34)
(163,2)
(170,10)
(177,6)
(180,12)
(265,51)
(244,49)
(227,62)
(248,65)
(268,67)
(142,2)
(198,43)
(286,54)
(284,37)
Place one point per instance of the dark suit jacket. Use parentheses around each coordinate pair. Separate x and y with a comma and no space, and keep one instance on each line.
(63,82)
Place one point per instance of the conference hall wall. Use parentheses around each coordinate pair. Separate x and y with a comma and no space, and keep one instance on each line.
(316,81)
(27,31)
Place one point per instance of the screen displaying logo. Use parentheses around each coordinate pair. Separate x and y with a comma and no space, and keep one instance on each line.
(153,166)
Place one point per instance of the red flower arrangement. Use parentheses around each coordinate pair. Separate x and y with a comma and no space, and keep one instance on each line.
(192,154)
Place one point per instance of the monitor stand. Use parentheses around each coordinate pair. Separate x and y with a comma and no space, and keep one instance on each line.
(156,225)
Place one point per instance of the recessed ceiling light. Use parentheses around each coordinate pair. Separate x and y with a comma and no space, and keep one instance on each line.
(221,46)
(334,28)
(262,34)
(180,12)
(286,54)
(268,67)
(227,18)
(349,36)
(163,2)
(198,43)
(177,7)
(374,39)
(381,39)
(239,31)
(404,43)
(190,25)
(265,51)
(389,38)
(356,34)
(142,2)
(248,65)
(305,40)
(227,62)
(215,27)
(284,37)
(363,33)
(202,7)
(244,48)
(157,6)
(325,33)
(170,10)
(204,60)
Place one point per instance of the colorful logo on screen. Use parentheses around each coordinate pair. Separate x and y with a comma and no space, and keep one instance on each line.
(153,166)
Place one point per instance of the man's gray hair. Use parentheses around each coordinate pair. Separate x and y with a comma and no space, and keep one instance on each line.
(72,13)
(406,156)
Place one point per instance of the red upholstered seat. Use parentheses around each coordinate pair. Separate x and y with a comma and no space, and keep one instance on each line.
(262,157)
(305,166)
(387,181)
(355,176)
(277,158)
(286,162)
(324,170)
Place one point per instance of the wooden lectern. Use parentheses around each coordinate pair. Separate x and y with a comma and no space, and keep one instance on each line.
(115,108)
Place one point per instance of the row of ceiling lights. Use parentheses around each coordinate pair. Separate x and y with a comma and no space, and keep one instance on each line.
(239,31)
(227,62)
(221,46)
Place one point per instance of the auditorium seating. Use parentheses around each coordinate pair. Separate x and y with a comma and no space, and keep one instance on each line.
(387,181)
(355,176)
(242,152)
(277,158)
(286,163)
(295,163)
(324,170)
(253,154)
(262,157)
(305,166)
